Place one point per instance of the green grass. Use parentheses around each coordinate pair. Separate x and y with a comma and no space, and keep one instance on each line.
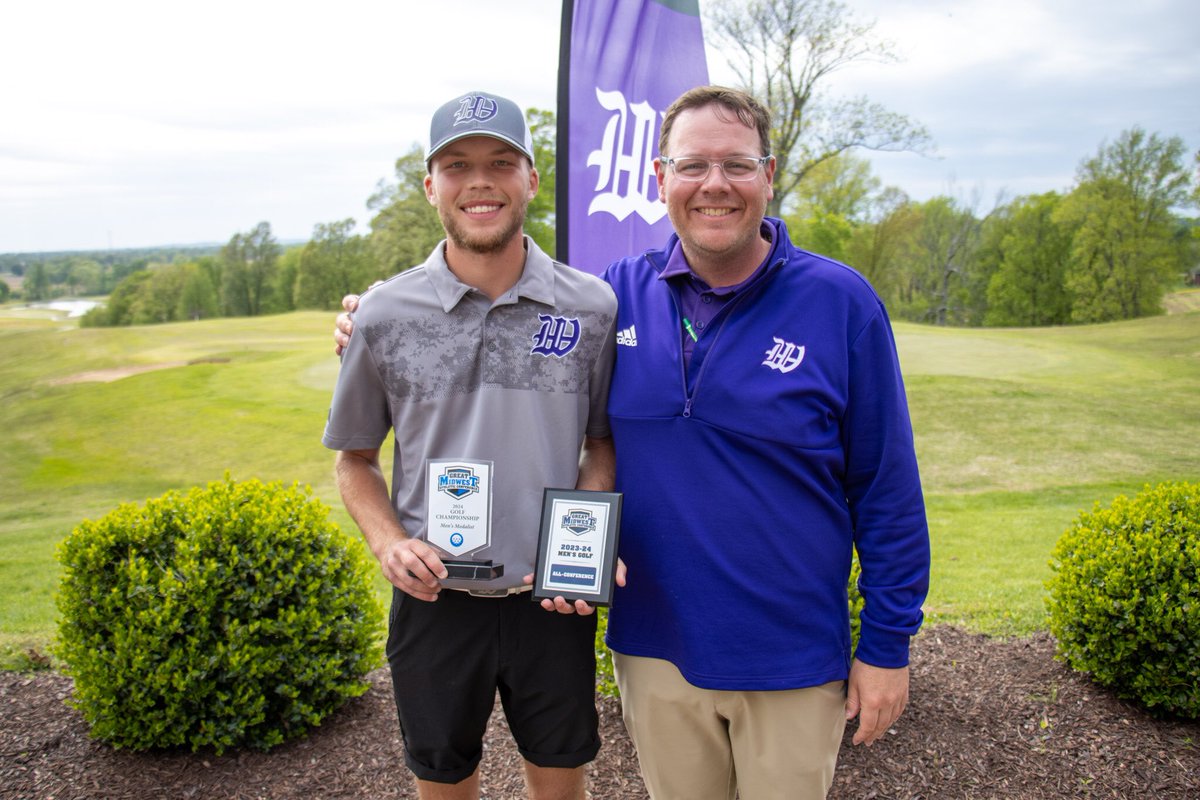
(1182,301)
(252,401)
(1017,431)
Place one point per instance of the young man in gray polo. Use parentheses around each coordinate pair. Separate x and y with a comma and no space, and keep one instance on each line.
(490,363)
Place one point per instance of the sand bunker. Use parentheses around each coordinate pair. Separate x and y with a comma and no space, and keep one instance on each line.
(116,373)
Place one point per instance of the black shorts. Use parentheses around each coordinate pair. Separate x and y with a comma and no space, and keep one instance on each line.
(448,659)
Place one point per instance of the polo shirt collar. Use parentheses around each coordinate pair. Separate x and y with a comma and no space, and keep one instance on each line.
(677,264)
(536,282)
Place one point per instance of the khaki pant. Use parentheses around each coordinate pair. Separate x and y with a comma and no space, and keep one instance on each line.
(705,744)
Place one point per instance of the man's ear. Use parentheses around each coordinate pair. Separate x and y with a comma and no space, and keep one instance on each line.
(535,181)
(660,172)
(770,173)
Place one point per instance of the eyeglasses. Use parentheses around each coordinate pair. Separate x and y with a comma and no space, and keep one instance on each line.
(742,168)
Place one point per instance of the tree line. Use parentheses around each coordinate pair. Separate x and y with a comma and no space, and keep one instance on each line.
(253,274)
(45,276)
(1108,248)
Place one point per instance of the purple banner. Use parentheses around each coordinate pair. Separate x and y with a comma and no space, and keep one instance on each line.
(622,62)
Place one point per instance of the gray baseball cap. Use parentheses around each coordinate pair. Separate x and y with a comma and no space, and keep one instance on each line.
(479,114)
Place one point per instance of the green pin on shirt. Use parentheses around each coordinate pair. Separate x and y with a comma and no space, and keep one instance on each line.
(687,326)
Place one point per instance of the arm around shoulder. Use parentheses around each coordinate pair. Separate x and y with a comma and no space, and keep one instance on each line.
(597,464)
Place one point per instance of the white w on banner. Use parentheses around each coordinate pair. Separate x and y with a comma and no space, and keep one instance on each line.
(623,62)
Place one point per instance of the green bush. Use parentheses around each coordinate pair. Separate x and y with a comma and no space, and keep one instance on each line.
(1124,597)
(233,615)
(856,601)
(606,678)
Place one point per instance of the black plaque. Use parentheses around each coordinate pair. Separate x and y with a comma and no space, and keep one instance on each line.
(577,546)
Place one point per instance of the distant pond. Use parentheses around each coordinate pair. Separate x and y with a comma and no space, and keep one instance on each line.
(72,308)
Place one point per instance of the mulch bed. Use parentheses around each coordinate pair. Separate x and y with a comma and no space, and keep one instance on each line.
(987,718)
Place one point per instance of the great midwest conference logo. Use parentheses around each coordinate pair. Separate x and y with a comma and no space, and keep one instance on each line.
(579,521)
(458,482)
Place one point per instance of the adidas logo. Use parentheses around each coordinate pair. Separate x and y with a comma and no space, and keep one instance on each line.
(627,337)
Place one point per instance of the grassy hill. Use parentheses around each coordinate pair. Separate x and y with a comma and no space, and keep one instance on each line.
(1017,430)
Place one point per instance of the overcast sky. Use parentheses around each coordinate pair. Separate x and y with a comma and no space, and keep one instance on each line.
(131,124)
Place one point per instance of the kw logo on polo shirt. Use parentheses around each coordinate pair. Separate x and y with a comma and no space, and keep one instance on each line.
(556,337)
(784,356)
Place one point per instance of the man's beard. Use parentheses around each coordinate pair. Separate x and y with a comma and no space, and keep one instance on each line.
(483,243)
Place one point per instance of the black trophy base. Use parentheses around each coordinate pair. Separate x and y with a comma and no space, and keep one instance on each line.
(473,570)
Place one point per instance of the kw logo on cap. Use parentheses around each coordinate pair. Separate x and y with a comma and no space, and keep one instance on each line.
(473,108)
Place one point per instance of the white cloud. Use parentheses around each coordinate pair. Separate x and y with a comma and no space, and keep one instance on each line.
(1017,93)
(226,113)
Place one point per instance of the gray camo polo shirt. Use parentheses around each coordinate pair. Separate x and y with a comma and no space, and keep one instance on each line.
(517,382)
